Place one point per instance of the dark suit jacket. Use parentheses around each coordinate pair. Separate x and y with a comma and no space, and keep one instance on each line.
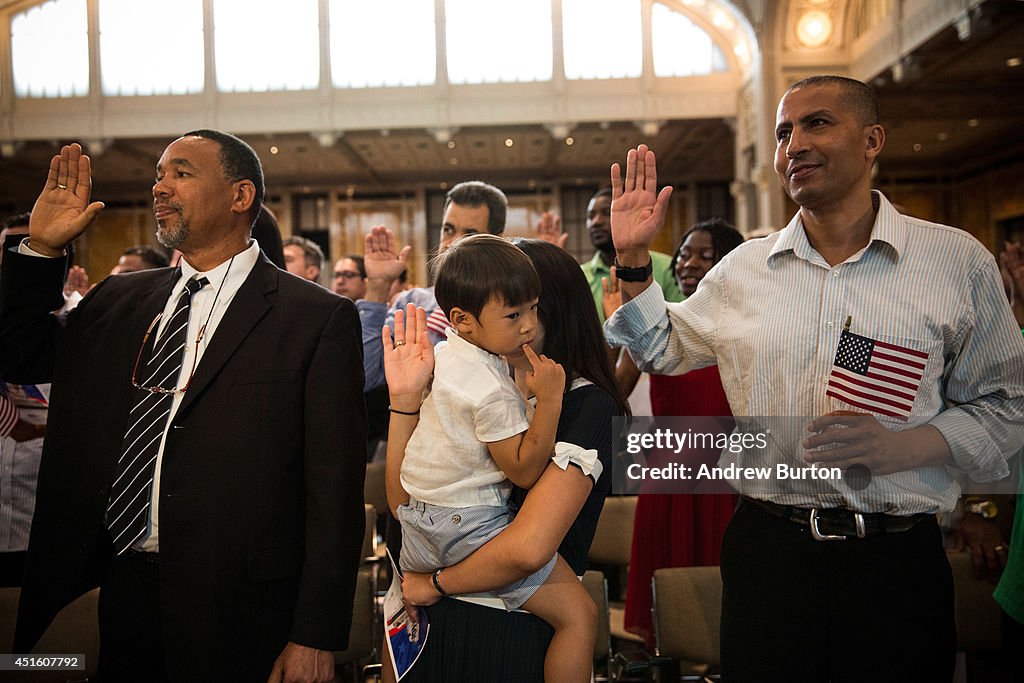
(261,495)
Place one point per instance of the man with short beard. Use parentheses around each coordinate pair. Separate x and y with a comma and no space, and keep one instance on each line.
(889,343)
(205,463)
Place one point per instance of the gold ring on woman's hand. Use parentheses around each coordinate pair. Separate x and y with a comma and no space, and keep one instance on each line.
(399,343)
(63,187)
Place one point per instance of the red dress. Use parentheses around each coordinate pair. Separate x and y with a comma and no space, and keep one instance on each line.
(676,530)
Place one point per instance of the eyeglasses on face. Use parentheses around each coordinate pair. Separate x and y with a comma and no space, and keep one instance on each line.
(346,274)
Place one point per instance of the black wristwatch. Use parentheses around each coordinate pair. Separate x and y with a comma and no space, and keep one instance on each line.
(627,274)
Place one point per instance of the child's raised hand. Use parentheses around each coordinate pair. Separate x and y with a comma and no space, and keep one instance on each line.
(409,360)
(547,378)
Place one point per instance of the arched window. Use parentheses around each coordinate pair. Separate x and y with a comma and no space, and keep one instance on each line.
(382,43)
(260,46)
(132,64)
(681,48)
(50,50)
(602,38)
(492,43)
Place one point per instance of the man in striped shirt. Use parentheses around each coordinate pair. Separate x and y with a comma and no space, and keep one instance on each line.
(22,428)
(847,580)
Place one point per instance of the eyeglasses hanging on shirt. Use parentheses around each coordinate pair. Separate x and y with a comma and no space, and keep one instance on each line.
(195,352)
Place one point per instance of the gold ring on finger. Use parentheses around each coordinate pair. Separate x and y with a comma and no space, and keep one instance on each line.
(62,186)
(399,343)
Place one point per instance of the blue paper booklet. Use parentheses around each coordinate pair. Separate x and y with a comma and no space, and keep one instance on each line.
(406,637)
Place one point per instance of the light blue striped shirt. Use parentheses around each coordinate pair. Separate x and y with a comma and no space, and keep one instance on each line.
(770,315)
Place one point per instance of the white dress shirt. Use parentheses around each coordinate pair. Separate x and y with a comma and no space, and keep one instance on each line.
(19,467)
(208,306)
(771,312)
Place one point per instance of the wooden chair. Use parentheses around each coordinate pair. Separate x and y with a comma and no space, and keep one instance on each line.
(75,630)
(687,618)
(613,541)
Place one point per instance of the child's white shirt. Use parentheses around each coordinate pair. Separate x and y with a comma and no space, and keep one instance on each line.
(473,401)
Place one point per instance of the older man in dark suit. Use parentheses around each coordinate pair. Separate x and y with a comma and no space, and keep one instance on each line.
(205,461)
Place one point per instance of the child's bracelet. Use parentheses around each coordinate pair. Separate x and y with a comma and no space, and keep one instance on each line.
(402,412)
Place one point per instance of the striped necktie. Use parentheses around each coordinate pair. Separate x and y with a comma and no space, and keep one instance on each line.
(127,510)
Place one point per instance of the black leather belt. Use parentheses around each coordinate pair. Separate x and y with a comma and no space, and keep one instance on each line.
(839,524)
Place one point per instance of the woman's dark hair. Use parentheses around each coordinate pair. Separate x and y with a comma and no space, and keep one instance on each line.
(572,331)
(268,235)
(724,238)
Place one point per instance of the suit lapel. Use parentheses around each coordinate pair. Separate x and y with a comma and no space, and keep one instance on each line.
(245,310)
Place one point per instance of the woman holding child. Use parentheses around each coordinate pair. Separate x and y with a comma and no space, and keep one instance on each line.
(469,641)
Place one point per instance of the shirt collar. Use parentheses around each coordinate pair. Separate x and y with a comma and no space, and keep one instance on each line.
(226,279)
(237,267)
(886,230)
(597,263)
(463,348)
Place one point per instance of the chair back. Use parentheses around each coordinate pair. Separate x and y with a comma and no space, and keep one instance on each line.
(613,537)
(369,532)
(374,492)
(75,630)
(361,639)
(597,588)
(688,613)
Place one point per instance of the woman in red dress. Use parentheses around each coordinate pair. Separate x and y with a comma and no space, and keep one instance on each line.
(679,530)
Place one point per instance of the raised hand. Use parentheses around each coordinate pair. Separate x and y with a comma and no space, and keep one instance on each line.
(409,360)
(611,295)
(63,212)
(77,281)
(383,261)
(546,380)
(549,229)
(638,209)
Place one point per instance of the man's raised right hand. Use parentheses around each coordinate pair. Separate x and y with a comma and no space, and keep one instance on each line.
(638,209)
(63,212)
(384,263)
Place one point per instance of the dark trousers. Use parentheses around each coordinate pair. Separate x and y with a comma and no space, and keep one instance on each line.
(1013,646)
(795,609)
(12,569)
(131,642)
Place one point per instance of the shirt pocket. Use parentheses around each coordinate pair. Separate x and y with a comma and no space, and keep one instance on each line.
(898,383)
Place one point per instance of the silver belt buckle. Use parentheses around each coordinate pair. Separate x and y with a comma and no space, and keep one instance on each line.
(818,536)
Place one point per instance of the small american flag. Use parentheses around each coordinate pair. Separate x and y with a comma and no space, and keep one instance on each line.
(437,322)
(876,376)
(8,414)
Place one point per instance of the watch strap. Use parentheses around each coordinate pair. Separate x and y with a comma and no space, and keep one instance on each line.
(632,274)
